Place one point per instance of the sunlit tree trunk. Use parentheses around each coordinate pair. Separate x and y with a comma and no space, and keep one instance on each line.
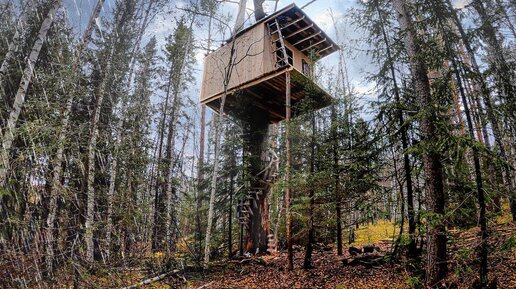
(121,105)
(92,147)
(311,229)
(19,99)
(228,71)
(13,47)
(61,140)
(436,247)
(486,98)
(405,144)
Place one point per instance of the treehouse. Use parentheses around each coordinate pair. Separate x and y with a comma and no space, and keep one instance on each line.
(252,68)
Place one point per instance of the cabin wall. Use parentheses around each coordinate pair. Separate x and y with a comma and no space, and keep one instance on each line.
(252,60)
(298,56)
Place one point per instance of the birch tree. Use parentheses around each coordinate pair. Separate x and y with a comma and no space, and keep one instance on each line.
(124,13)
(228,70)
(61,141)
(19,99)
(121,108)
(179,51)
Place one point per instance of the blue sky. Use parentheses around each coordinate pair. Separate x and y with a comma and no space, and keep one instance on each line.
(358,63)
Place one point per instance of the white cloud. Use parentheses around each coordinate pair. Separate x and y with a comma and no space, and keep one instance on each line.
(324,20)
(461,3)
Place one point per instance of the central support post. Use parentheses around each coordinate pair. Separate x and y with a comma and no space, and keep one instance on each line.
(287,170)
(255,126)
(256,151)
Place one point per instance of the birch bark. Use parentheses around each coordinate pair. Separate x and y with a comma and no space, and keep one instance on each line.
(19,99)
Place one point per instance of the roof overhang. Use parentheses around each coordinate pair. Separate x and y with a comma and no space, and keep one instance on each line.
(300,31)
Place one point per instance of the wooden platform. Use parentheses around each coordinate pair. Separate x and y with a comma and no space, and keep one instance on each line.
(266,97)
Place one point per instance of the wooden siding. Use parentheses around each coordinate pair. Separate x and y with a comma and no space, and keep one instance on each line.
(298,56)
(252,60)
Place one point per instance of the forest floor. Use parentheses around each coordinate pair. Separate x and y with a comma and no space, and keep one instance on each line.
(270,271)
(329,271)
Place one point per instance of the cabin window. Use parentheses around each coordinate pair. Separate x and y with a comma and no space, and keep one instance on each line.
(307,69)
(279,55)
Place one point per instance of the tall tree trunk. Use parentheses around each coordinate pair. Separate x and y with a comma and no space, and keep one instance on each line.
(478,181)
(58,160)
(19,99)
(290,252)
(336,176)
(170,190)
(259,13)
(481,83)
(256,149)
(121,105)
(506,89)
(157,194)
(412,252)
(230,210)
(436,247)
(92,147)
(228,71)
(311,230)
(218,128)
(239,22)
(200,165)
(13,47)
(200,178)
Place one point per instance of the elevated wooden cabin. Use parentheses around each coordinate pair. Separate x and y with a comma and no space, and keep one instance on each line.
(262,53)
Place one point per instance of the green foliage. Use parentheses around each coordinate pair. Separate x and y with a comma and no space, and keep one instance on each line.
(414,283)
(5,193)
(510,243)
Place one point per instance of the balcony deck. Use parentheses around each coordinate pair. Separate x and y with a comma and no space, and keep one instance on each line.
(266,96)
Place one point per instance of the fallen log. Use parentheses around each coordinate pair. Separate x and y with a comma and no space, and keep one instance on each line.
(152,280)
(205,285)
(353,251)
(366,259)
(259,261)
(370,248)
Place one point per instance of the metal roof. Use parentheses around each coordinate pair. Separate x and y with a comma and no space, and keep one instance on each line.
(299,30)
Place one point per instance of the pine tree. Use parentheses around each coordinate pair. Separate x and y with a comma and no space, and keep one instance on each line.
(436,247)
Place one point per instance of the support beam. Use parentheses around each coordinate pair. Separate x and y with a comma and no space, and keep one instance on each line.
(315,44)
(322,50)
(299,31)
(288,25)
(287,172)
(307,38)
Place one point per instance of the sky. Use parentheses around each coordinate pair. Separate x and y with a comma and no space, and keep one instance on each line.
(358,63)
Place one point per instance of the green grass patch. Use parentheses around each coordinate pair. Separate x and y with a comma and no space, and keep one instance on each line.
(372,233)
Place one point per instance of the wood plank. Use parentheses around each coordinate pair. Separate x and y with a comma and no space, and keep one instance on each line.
(292,23)
(315,44)
(299,31)
(307,38)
